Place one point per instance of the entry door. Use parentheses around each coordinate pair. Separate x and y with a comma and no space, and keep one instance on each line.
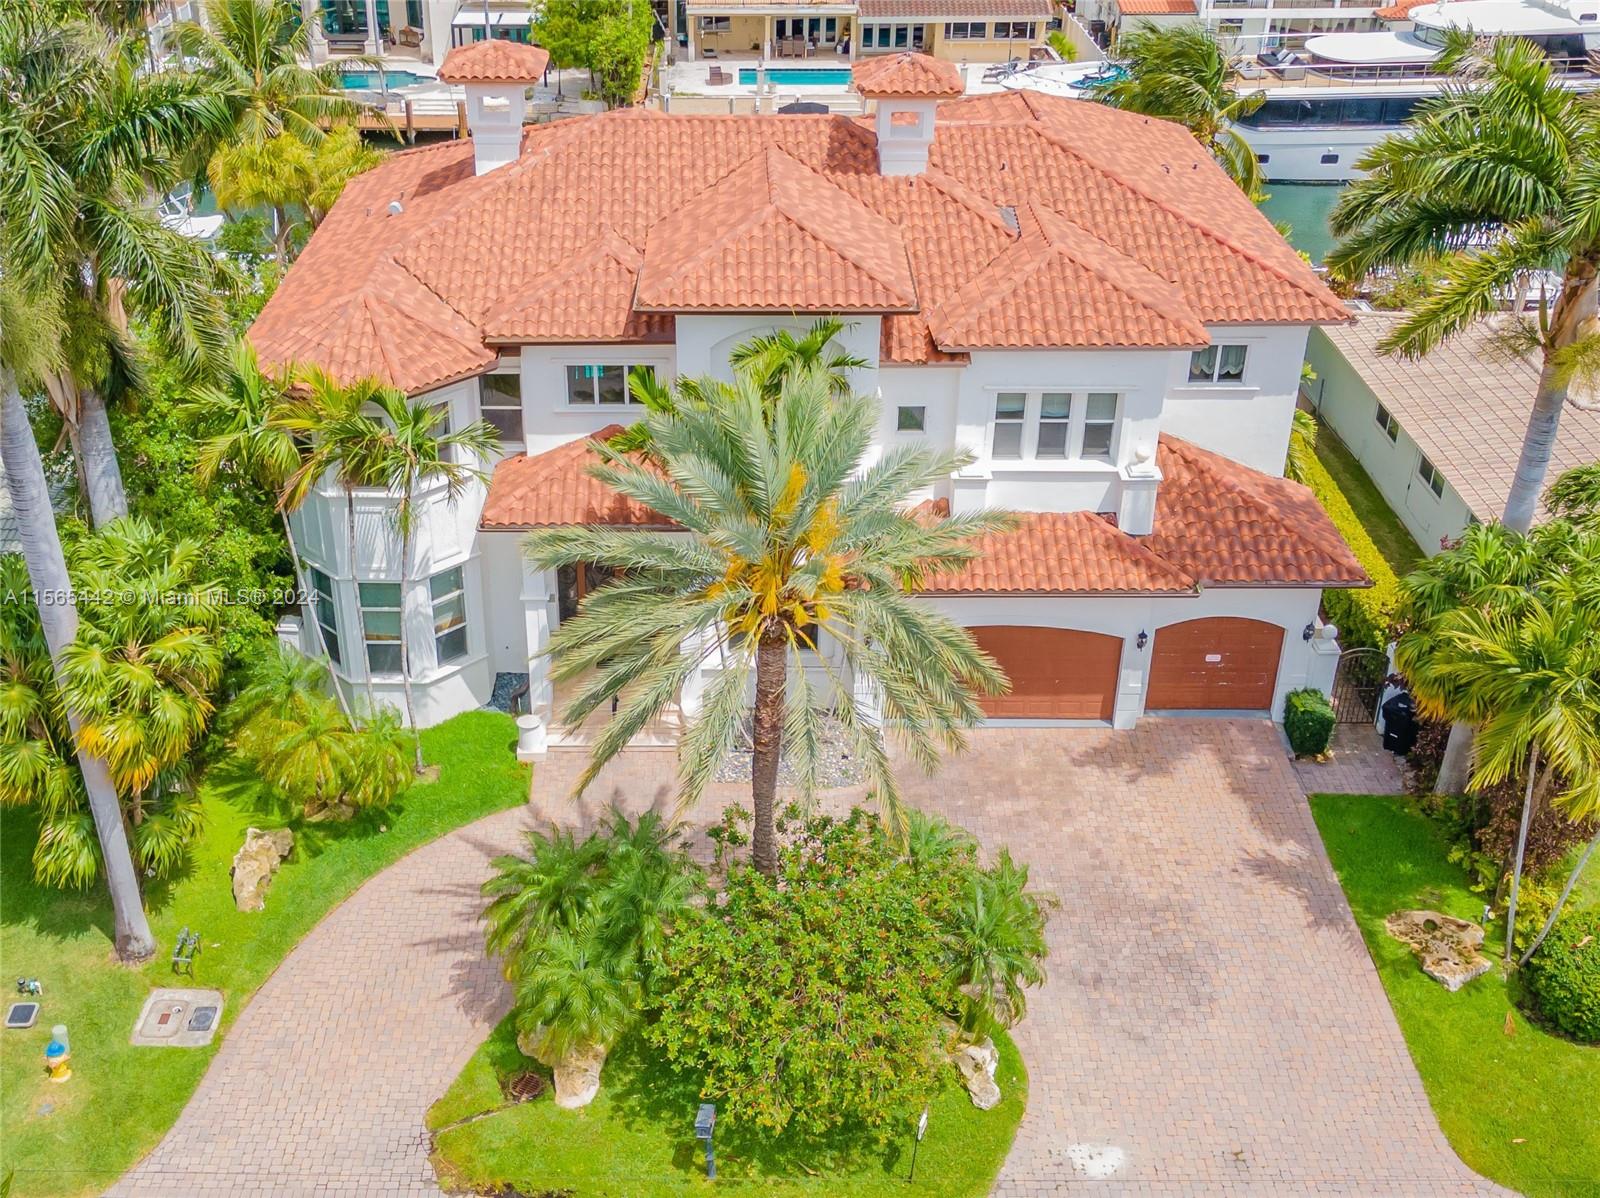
(1222,663)
(1056,673)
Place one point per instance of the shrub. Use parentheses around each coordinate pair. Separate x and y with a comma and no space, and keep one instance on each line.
(1363,616)
(1308,721)
(1564,975)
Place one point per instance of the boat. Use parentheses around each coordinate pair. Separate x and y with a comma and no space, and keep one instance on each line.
(1340,94)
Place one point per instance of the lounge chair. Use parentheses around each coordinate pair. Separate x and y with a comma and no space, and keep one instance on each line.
(716,77)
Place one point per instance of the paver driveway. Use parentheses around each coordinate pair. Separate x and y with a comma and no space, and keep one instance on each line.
(1212,1023)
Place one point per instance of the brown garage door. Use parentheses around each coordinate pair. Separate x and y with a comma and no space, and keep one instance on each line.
(1221,663)
(1056,673)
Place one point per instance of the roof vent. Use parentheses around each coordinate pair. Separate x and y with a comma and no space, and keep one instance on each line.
(396,207)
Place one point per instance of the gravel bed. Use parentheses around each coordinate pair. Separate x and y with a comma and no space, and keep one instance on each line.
(837,764)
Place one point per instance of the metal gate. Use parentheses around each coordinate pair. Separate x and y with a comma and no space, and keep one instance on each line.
(1357,684)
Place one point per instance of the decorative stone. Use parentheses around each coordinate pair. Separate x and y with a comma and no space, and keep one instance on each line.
(977,1064)
(333,813)
(576,1076)
(1447,947)
(255,863)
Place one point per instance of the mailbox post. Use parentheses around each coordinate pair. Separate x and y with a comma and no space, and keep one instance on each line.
(705,1121)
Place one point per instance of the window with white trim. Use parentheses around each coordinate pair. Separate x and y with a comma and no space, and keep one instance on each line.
(1010,417)
(602,385)
(1387,422)
(381,623)
(325,612)
(966,31)
(1429,473)
(1055,425)
(1014,30)
(448,595)
(1217,364)
(500,403)
(716,24)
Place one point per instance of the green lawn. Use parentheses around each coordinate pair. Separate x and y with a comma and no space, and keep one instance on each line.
(78,1137)
(1519,1107)
(636,1139)
(1393,540)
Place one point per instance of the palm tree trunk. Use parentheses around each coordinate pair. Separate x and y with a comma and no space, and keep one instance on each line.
(1522,844)
(1574,309)
(47,571)
(405,638)
(1566,892)
(771,669)
(280,235)
(361,620)
(322,641)
(108,499)
(1455,771)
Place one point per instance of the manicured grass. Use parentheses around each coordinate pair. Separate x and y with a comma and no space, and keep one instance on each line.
(1517,1104)
(636,1139)
(78,1137)
(1393,540)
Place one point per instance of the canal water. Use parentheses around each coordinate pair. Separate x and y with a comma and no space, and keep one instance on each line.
(1304,208)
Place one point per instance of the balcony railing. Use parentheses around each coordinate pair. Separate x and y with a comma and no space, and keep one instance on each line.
(1250,74)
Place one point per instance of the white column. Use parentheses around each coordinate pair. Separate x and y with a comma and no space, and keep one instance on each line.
(692,48)
(541,616)
(374,34)
(311,15)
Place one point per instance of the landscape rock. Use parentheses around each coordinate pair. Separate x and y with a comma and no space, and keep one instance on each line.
(333,813)
(1447,947)
(576,1076)
(977,1064)
(255,863)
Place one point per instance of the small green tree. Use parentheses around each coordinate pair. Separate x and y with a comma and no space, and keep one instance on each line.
(608,38)
(995,943)
(290,176)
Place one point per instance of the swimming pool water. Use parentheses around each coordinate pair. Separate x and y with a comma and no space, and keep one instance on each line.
(353,81)
(792,76)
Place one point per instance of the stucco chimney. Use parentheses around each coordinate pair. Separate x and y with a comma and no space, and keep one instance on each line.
(495,75)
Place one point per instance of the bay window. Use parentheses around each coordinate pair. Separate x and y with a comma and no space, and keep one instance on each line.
(448,595)
(381,625)
(325,612)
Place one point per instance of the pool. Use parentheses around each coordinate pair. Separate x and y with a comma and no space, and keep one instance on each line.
(799,76)
(367,81)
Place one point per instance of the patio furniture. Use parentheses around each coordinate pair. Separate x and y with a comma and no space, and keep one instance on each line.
(348,43)
(716,77)
(408,35)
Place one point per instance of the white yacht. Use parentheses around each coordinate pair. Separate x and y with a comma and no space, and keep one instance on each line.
(1342,93)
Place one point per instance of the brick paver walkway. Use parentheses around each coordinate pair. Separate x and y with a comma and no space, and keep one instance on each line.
(1359,766)
(1211,1025)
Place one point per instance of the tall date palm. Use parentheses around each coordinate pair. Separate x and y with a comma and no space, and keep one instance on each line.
(781,540)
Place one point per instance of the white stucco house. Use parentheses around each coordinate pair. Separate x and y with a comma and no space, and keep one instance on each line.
(1440,436)
(1076,294)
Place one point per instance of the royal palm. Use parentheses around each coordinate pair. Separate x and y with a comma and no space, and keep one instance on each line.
(782,544)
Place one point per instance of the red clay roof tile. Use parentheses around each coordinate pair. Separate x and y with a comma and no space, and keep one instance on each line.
(907,75)
(555,488)
(494,61)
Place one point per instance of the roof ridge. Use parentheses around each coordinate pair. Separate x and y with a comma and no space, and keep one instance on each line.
(947,184)
(1130,542)
(1040,128)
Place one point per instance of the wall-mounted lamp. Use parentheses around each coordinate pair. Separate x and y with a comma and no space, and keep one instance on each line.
(1142,639)
(1309,632)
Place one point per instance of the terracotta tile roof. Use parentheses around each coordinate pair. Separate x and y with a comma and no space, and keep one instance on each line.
(494,61)
(604,216)
(1218,523)
(774,235)
(908,74)
(1228,525)
(1432,397)
(1156,8)
(1398,12)
(556,488)
(954,10)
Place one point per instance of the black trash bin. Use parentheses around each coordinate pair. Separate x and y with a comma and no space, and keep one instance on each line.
(1399,724)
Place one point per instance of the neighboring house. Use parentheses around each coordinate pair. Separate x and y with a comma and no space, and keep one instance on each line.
(1440,435)
(429,27)
(952,30)
(1077,295)
(1247,26)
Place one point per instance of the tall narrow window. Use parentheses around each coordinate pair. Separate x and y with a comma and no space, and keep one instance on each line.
(500,402)
(325,612)
(449,615)
(1429,474)
(1387,422)
(1010,409)
(380,618)
(1055,422)
(1099,425)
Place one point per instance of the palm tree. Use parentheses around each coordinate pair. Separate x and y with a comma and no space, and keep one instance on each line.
(1179,73)
(781,542)
(1494,179)
(773,358)
(574,999)
(58,626)
(417,454)
(1575,496)
(1528,675)
(547,890)
(994,946)
(347,442)
(88,140)
(244,407)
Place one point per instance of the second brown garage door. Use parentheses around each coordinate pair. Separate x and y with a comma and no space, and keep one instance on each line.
(1056,673)
(1220,663)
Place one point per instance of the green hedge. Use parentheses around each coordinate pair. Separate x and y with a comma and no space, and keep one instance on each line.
(1363,616)
(1308,721)
(1564,975)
